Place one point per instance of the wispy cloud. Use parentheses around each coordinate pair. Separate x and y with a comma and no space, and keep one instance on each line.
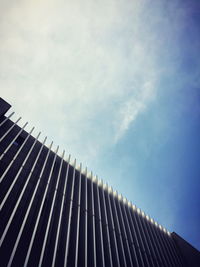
(92,65)
(130,109)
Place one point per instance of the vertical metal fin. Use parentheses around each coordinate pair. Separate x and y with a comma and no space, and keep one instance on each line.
(42,203)
(61,213)
(19,199)
(12,126)
(7,118)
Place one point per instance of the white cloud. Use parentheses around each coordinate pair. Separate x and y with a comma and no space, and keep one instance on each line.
(130,109)
(80,71)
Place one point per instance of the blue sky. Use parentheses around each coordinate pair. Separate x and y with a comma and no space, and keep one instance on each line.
(116,84)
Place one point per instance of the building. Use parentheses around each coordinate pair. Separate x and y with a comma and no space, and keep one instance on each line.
(54,213)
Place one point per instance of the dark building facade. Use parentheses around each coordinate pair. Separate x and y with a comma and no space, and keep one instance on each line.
(53,213)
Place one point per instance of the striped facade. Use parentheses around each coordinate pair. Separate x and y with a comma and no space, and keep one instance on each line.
(54,213)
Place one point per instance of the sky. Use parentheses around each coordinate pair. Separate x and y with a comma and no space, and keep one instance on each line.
(117,85)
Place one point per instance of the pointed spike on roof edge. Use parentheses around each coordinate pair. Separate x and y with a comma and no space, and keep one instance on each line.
(147,217)
(158,225)
(88,174)
(57,149)
(50,146)
(134,206)
(63,154)
(94,178)
(97,179)
(80,167)
(105,185)
(119,196)
(85,172)
(138,210)
(74,163)
(143,214)
(39,134)
(124,200)
(99,182)
(69,158)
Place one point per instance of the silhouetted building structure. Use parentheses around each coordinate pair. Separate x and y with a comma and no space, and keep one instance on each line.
(55,214)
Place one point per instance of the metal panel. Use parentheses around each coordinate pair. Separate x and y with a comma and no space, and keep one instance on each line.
(86,221)
(138,218)
(155,242)
(140,238)
(129,236)
(78,217)
(16,155)
(118,230)
(14,210)
(19,171)
(114,248)
(124,230)
(171,252)
(14,139)
(42,203)
(134,235)
(19,199)
(148,239)
(61,214)
(167,261)
(175,251)
(7,118)
(50,214)
(70,216)
(93,224)
(106,236)
(100,225)
(12,126)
